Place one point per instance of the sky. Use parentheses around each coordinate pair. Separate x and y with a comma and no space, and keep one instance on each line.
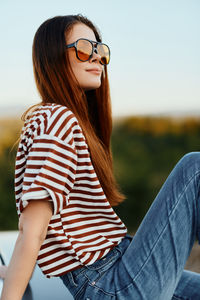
(155,51)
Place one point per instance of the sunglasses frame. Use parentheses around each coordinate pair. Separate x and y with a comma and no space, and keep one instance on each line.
(94,49)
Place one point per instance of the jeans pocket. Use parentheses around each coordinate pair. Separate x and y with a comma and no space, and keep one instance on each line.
(73,284)
(78,280)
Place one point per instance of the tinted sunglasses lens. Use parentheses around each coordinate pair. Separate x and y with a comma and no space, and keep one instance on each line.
(104,52)
(84,50)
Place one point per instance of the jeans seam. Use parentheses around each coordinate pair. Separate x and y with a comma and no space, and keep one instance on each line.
(197,173)
(80,273)
(72,279)
(124,288)
(93,284)
(102,290)
(179,298)
(76,296)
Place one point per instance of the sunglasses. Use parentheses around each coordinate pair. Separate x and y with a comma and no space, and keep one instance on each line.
(86,48)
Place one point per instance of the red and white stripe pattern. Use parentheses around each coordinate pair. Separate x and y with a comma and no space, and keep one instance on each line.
(53,163)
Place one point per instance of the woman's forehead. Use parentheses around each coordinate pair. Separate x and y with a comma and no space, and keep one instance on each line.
(78,31)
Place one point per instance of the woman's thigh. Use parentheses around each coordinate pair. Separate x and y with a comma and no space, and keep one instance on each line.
(156,257)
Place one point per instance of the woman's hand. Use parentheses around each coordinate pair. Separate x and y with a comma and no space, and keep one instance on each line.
(3,270)
(33,226)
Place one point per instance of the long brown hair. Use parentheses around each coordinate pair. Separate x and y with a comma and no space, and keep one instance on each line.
(56,83)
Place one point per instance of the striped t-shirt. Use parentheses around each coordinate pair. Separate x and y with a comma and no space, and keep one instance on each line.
(53,163)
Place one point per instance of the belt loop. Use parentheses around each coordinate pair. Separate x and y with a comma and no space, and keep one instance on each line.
(119,250)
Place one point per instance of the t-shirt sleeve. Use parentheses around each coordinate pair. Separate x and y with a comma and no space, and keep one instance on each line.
(49,173)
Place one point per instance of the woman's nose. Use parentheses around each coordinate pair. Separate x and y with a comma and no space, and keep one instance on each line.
(95,56)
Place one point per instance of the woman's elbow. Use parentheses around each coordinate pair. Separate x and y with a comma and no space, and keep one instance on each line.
(29,234)
(34,221)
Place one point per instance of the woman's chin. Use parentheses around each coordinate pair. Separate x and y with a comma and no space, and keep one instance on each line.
(92,87)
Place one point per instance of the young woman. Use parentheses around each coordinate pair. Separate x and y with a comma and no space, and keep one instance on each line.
(65,189)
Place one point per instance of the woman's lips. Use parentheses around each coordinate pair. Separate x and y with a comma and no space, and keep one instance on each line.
(95,71)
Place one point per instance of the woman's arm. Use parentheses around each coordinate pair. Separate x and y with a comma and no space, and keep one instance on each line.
(33,225)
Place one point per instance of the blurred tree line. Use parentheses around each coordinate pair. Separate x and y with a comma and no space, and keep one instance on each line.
(145,149)
(9,134)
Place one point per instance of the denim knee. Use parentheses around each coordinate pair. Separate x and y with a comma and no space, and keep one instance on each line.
(190,162)
(191,157)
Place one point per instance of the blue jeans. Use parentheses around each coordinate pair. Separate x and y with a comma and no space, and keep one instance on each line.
(150,265)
